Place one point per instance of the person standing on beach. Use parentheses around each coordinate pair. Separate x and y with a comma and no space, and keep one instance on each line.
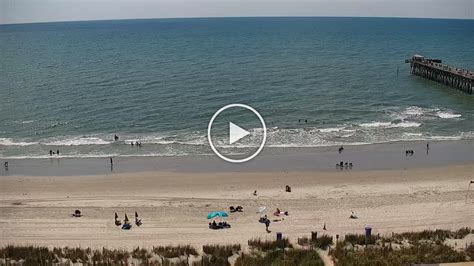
(111,161)
(427,147)
(267,224)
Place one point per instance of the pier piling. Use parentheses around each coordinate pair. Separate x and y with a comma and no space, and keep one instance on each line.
(434,69)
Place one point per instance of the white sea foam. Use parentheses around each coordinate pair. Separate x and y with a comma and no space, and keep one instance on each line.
(24,122)
(11,142)
(402,124)
(447,114)
(415,111)
(376,124)
(406,124)
(413,134)
(330,129)
(78,141)
(445,137)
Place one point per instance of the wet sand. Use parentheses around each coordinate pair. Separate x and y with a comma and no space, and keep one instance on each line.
(386,156)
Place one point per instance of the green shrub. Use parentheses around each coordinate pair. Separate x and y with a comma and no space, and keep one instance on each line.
(214,261)
(223,251)
(32,254)
(415,254)
(360,239)
(323,242)
(141,254)
(289,257)
(175,251)
(267,245)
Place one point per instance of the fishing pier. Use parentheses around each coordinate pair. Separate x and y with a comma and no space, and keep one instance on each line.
(434,69)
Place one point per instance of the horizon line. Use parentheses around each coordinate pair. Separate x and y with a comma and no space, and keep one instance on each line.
(223,17)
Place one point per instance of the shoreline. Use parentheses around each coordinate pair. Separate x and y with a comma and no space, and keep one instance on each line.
(383,156)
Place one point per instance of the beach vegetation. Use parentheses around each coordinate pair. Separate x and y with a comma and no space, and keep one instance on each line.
(175,251)
(223,251)
(141,254)
(323,242)
(267,245)
(288,257)
(405,255)
(428,246)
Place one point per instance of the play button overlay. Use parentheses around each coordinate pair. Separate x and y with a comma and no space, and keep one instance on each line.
(237,133)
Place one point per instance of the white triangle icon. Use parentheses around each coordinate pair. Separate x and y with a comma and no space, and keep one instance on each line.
(236,133)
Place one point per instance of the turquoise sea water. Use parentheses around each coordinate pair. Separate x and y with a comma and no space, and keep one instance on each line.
(72,86)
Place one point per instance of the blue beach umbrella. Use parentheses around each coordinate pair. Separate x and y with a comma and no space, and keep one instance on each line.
(213,215)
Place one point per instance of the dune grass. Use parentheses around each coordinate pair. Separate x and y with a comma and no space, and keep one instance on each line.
(406,248)
(268,245)
(428,246)
(288,257)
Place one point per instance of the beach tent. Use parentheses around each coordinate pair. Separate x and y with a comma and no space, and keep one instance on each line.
(213,215)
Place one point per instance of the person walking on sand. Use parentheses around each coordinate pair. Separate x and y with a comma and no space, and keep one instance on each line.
(111,161)
(427,147)
(267,225)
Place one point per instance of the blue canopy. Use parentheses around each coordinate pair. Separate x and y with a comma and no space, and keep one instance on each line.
(213,215)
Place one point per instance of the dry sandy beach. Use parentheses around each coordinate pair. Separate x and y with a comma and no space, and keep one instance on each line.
(174,205)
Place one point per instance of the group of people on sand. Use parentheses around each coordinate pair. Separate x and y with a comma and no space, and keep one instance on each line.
(220,225)
(126,223)
(341,165)
(236,209)
(265,220)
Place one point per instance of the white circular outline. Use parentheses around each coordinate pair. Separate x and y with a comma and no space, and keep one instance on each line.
(259,148)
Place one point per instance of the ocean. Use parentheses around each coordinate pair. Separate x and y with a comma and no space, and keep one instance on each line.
(74,85)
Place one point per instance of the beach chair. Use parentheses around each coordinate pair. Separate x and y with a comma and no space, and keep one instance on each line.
(126,226)
(138,222)
(117,221)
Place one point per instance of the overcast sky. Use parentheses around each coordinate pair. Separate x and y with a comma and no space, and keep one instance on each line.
(24,11)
